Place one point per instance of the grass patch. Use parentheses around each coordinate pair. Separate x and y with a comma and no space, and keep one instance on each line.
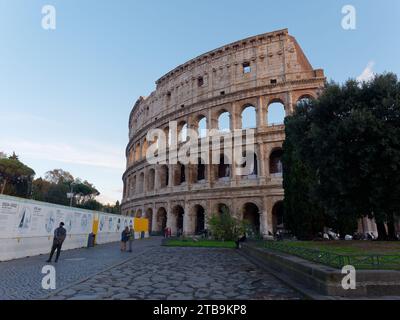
(350,247)
(361,254)
(202,243)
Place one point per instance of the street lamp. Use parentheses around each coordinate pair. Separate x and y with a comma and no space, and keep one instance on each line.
(70,195)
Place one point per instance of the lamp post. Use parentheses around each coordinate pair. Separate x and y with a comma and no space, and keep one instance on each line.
(70,195)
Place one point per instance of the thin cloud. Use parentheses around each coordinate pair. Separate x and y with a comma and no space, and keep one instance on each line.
(83,154)
(368,73)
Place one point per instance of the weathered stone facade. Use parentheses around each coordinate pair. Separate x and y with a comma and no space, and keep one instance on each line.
(257,72)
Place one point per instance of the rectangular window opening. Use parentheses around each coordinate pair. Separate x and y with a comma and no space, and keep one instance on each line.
(246,67)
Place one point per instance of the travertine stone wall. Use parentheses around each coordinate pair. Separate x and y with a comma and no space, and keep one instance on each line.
(256,71)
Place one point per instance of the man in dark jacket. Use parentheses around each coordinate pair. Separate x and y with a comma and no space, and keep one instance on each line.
(59,236)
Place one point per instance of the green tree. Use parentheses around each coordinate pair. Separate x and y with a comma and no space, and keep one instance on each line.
(15,177)
(303,216)
(58,183)
(351,150)
(225,227)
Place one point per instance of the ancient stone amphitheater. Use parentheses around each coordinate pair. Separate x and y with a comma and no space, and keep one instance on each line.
(253,82)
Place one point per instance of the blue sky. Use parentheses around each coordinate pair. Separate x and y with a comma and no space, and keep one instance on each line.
(65,95)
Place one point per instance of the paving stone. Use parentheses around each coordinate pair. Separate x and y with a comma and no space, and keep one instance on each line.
(156,272)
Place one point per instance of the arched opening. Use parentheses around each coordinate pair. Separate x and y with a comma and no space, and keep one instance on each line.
(199,219)
(137,152)
(276,113)
(149,216)
(132,186)
(144,149)
(141,183)
(224,122)
(250,168)
(202,127)
(151,180)
(201,170)
(251,214)
(178,213)
(164,176)
(304,100)
(161,219)
(277,217)
(222,207)
(275,162)
(183,132)
(180,176)
(224,168)
(139,213)
(131,156)
(249,117)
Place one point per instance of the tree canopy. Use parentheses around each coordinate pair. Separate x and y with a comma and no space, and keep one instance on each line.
(15,177)
(342,158)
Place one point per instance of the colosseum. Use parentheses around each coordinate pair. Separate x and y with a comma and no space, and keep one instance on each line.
(245,84)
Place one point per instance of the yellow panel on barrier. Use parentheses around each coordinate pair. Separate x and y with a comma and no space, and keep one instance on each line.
(141,224)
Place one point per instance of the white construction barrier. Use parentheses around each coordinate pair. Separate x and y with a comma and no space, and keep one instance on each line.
(27,227)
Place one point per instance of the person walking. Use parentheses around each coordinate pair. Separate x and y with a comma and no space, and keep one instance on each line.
(59,237)
(131,237)
(124,238)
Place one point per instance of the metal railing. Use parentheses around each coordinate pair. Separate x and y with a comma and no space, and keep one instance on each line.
(335,260)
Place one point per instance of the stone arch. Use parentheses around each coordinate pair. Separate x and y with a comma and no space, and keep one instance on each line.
(201,125)
(220,207)
(224,167)
(151,176)
(224,121)
(179,174)
(131,156)
(141,183)
(144,149)
(137,152)
(161,220)
(276,112)
(275,162)
(138,213)
(248,117)
(149,217)
(252,167)
(163,176)
(201,170)
(132,188)
(198,215)
(304,98)
(277,217)
(178,216)
(182,131)
(251,213)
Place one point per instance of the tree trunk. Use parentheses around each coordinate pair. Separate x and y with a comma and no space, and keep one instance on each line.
(391,228)
(382,235)
(3,186)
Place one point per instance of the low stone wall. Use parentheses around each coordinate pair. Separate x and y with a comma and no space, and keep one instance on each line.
(325,280)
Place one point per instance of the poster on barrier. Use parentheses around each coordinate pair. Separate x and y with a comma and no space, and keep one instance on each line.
(113,223)
(8,215)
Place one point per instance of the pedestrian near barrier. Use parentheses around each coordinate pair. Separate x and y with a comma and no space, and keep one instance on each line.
(131,236)
(59,237)
(124,238)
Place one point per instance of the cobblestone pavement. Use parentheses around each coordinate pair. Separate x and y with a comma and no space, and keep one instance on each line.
(165,273)
(21,278)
